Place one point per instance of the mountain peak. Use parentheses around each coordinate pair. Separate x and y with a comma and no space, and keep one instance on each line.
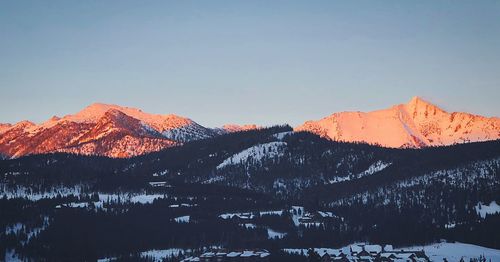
(417,123)
(113,113)
(418,107)
(101,129)
(54,118)
(417,99)
(93,112)
(25,124)
(418,102)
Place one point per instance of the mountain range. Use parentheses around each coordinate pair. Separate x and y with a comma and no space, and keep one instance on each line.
(107,130)
(116,131)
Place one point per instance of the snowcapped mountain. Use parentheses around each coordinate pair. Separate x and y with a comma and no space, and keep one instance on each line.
(116,131)
(416,124)
(101,129)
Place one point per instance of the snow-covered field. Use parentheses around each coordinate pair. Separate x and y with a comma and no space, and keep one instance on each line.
(27,193)
(455,251)
(130,198)
(436,252)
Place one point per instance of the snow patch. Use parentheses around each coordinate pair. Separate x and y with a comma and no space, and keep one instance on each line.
(491,209)
(271,234)
(272,213)
(282,135)
(374,168)
(182,219)
(238,215)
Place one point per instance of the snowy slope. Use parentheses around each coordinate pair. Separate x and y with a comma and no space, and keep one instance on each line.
(415,124)
(255,154)
(456,251)
(436,252)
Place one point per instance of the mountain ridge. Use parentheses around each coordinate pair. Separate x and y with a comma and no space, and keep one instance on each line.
(118,131)
(104,129)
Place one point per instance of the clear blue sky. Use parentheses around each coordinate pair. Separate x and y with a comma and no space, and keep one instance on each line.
(261,62)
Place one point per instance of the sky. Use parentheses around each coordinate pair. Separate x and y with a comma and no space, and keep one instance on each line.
(262,62)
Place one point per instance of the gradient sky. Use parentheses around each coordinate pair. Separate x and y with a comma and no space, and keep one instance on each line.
(263,62)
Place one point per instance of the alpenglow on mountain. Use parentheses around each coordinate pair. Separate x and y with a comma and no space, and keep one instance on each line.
(416,124)
(106,130)
(116,131)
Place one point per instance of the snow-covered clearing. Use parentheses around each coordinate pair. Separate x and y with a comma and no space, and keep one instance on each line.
(372,169)
(30,194)
(326,214)
(255,153)
(160,255)
(77,191)
(271,234)
(238,215)
(272,213)
(249,226)
(183,205)
(282,135)
(130,198)
(182,219)
(483,210)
